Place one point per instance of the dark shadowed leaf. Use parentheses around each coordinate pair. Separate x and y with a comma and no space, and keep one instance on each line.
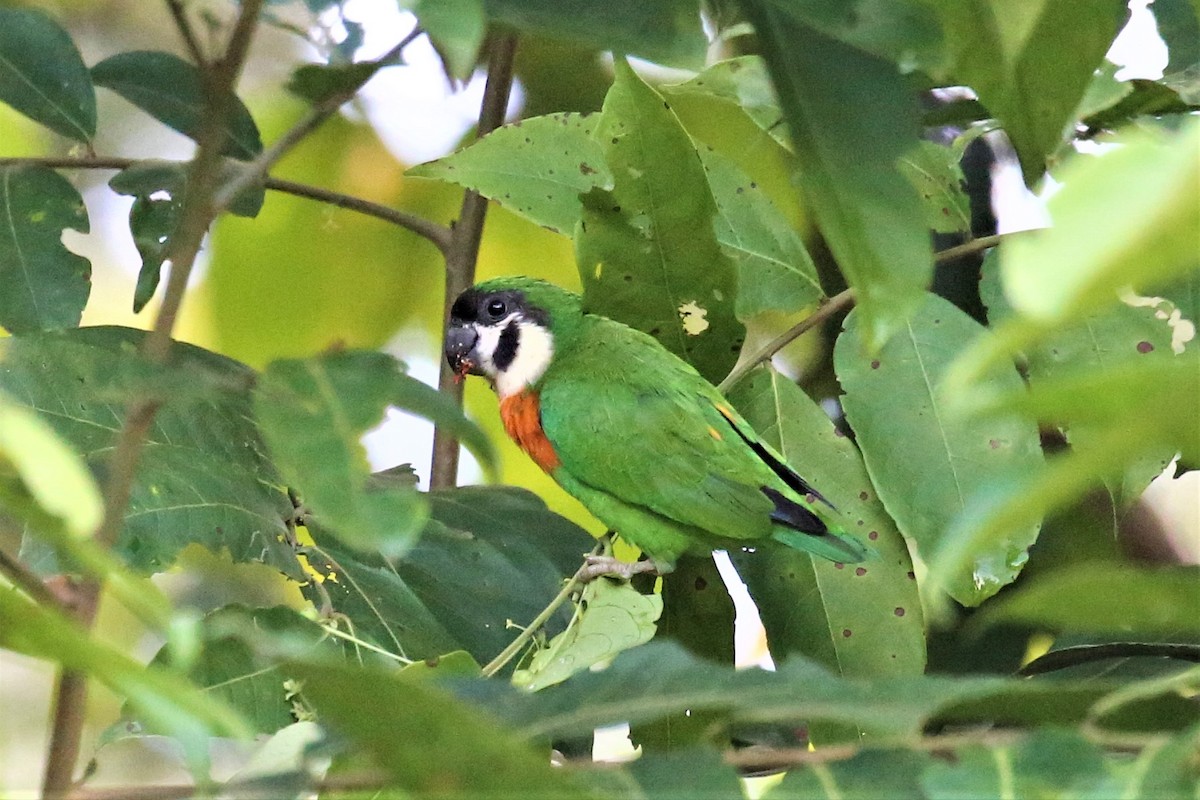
(316,82)
(870,775)
(43,285)
(926,463)
(489,555)
(851,116)
(646,251)
(171,90)
(537,168)
(1030,65)
(667,31)
(146,178)
(1178,23)
(203,477)
(43,76)
(453,750)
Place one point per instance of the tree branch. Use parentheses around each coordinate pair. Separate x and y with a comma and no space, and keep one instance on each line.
(967,248)
(30,584)
(196,216)
(437,234)
(1088,653)
(463,251)
(187,33)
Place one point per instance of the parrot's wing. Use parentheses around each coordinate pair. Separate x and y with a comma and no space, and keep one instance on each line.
(659,444)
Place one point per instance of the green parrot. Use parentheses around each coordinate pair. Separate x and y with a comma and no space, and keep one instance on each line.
(632,431)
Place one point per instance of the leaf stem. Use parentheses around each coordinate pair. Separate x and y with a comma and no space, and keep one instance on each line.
(187,33)
(463,250)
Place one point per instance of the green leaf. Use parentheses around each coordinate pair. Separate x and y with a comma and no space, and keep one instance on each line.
(775,271)
(313,414)
(851,116)
(166,702)
(489,555)
(172,91)
(860,620)
(49,470)
(935,173)
(146,178)
(455,750)
(685,775)
(609,617)
(667,32)
(743,81)
(43,285)
(43,76)
(646,251)
(927,463)
(1030,63)
(203,477)
(1178,23)
(1130,216)
(537,168)
(318,82)
(1050,763)
(869,775)
(457,28)
(1106,598)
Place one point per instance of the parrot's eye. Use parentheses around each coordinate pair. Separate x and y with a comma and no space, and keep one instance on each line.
(496,309)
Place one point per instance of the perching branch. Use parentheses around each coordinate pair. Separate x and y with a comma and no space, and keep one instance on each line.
(196,216)
(187,33)
(464,247)
(439,235)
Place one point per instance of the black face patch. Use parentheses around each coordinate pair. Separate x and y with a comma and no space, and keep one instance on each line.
(492,307)
(506,348)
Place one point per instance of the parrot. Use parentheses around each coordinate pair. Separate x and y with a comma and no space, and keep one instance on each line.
(635,433)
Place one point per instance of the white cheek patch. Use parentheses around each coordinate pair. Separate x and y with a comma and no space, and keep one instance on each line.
(535,349)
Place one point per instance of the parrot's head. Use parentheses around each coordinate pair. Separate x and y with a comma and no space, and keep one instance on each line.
(505,329)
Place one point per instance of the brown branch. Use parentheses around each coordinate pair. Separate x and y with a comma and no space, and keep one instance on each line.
(196,216)
(967,248)
(184,26)
(828,309)
(20,576)
(439,235)
(463,251)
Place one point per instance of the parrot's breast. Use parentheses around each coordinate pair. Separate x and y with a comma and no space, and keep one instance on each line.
(522,417)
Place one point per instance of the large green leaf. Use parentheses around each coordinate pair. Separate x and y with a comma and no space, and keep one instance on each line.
(1130,216)
(172,91)
(202,478)
(1030,63)
(1178,23)
(667,31)
(43,76)
(929,464)
(646,251)
(429,742)
(860,620)
(43,285)
(1048,764)
(851,116)
(537,167)
(775,271)
(490,555)
(313,414)
(869,775)
(1106,598)
(743,81)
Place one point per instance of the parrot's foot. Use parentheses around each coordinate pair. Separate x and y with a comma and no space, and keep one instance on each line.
(596,566)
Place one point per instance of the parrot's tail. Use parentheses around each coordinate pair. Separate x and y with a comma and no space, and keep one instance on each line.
(828,545)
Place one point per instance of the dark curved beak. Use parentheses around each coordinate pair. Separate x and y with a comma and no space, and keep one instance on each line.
(460,348)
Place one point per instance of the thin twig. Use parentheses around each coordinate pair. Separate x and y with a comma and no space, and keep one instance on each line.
(463,252)
(257,169)
(20,576)
(1089,653)
(439,235)
(514,647)
(967,248)
(195,218)
(179,15)
(828,309)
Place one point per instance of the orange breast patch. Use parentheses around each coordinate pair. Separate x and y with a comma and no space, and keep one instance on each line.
(522,418)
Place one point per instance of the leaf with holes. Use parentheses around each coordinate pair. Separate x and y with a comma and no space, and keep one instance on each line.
(934,171)
(647,251)
(860,620)
(203,478)
(775,271)
(43,76)
(172,91)
(743,81)
(43,285)
(928,465)
(537,168)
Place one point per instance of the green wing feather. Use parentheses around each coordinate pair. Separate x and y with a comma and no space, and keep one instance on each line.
(634,424)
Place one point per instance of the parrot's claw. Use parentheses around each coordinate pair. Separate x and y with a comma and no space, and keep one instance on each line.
(596,566)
